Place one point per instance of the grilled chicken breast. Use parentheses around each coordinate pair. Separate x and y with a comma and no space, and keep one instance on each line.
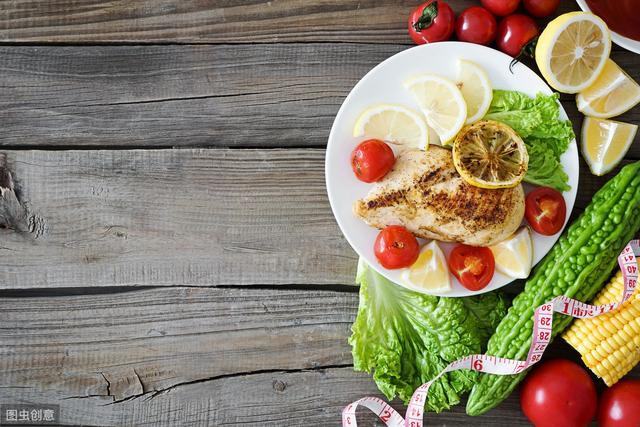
(425,193)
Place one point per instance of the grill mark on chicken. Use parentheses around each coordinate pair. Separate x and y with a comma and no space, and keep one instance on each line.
(385,200)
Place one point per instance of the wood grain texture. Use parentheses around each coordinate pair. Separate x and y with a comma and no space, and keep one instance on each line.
(173,217)
(194,356)
(179,217)
(279,398)
(125,345)
(196,21)
(274,95)
(168,96)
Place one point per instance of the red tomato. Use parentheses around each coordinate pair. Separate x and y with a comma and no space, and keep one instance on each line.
(501,7)
(545,210)
(371,160)
(559,393)
(620,404)
(515,32)
(476,25)
(474,267)
(395,247)
(430,22)
(541,8)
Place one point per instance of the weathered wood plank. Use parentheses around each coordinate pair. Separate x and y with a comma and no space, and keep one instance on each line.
(195,356)
(192,21)
(173,217)
(164,96)
(167,96)
(178,217)
(304,398)
(119,346)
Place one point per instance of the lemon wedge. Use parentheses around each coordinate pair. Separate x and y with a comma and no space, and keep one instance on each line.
(613,93)
(489,154)
(605,142)
(475,87)
(514,256)
(393,123)
(572,51)
(442,104)
(429,272)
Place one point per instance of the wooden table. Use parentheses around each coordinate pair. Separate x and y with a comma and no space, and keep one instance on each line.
(173,259)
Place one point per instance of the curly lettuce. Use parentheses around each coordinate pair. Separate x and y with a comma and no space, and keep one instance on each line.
(406,338)
(547,137)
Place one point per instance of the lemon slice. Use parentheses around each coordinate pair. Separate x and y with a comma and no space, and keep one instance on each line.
(442,104)
(514,256)
(490,154)
(393,123)
(605,142)
(572,50)
(474,85)
(613,93)
(430,271)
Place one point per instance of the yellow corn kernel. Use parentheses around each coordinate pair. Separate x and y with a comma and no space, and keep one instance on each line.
(610,343)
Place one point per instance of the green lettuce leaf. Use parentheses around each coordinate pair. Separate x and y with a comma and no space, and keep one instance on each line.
(537,121)
(406,338)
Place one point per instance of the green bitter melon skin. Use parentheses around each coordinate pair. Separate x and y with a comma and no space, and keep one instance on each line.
(577,266)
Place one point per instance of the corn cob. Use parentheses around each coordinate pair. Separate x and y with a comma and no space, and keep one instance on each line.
(610,343)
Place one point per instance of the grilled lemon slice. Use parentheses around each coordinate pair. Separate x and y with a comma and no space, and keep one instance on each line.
(490,154)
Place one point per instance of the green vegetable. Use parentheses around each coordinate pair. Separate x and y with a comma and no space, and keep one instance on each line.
(577,266)
(406,338)
(546,136)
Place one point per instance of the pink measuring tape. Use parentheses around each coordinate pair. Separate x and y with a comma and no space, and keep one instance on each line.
(543,321)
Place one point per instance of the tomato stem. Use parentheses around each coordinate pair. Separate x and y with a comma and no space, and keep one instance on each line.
(429,14)
(528,50)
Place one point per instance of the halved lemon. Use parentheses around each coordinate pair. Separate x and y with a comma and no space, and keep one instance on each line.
(572,51)
(430,271)
(605,142)
(442,104)
(514,256)
(393,123)
(490,154)
(475,87)
(613,93)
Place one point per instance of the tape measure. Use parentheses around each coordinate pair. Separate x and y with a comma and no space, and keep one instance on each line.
(540,339)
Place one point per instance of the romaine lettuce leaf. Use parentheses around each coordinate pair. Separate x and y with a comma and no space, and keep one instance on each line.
(547,136)
(406,338)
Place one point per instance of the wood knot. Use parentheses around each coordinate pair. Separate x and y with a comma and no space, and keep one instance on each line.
(279,386)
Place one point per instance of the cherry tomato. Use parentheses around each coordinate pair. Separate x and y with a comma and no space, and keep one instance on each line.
(545,210)
(501,7)
(476,25)
(515,32)
(541,8)
(559,393)
(396,247)
(371,160)
(432,21)
(620,404)
(474,267)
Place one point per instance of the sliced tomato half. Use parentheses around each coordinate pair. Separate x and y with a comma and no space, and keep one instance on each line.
(474,267)
(545,210)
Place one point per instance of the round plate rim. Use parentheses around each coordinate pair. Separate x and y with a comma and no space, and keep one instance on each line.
(344,106)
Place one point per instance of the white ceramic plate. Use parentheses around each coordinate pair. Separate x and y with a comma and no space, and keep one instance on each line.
(622,41)
(383,84)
